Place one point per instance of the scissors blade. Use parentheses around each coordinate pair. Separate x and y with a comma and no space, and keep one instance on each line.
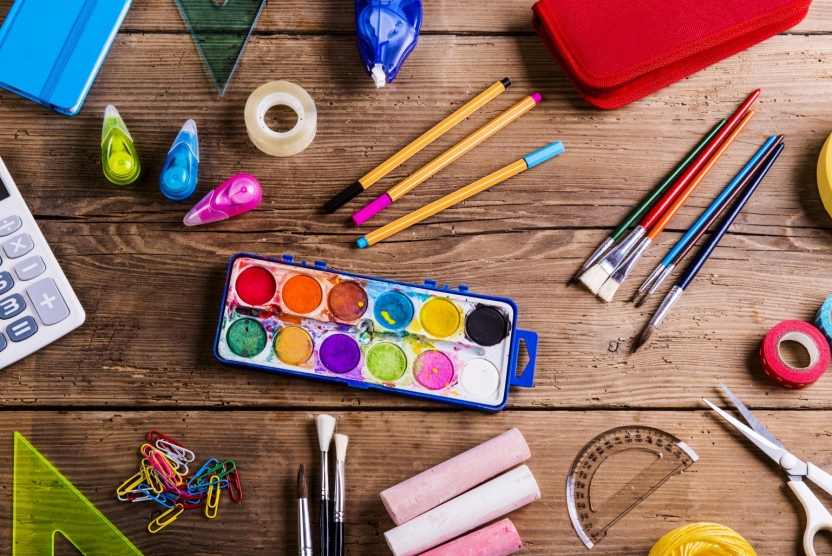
(771,450)
(758,427)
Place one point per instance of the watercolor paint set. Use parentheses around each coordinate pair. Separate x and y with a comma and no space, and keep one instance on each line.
(424,341)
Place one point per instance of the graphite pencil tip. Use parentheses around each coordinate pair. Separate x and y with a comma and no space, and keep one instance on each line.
(303,484)
(645,336)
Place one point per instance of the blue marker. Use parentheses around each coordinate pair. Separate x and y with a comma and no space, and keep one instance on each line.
(387,32)
(181,169)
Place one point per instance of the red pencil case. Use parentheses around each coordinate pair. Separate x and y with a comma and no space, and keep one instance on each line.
(616,52)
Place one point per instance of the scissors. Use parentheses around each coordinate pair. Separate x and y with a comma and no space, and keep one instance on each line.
(817,516)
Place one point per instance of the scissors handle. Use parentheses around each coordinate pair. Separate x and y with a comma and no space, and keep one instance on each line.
(820,477)
(817,516)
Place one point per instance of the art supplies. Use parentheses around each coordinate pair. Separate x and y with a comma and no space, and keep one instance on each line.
(341,442)
(278,143)
(646,204)
(530,161)
(702,539)
(703,224)
(498,539)
(610,287)
(238,194)
(119,160)
(165,477)
(701,258)
(304,523)
(446,158)
(823,319)
(50,52)
(464,513)
(618,55)
(37,303)
(817,516)
(427,342)
(429,489)
(387,33)
(423,141)
(181,168)
(45,503)
(326,427)
(221,30)
(824,175)
(595,277)
(782,372)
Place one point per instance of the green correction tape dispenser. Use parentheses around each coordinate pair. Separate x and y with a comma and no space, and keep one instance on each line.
(118,155)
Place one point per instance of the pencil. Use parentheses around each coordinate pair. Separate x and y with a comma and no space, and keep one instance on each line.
(423,141)
(645,204)
(529,161)
(607,291)
(701,257)
(443,160)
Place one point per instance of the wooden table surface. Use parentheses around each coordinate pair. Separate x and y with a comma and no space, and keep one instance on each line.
(152,287)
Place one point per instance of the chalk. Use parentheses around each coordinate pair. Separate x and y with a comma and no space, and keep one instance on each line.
(485,503)
(498,539)
(439,484)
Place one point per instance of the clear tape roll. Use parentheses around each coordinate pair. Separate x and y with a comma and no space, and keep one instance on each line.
(276,143)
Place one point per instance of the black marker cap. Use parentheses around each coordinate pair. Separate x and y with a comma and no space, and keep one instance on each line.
(506,82)
(343,197)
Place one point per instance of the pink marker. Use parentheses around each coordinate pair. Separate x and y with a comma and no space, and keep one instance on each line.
(443,160)
(240,193)
(498,539)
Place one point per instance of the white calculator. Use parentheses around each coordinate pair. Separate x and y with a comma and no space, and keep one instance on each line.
(37,304)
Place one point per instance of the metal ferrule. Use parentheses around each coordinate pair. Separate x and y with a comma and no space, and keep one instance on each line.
(668,303)
(304,529)
(324,476)
(650,278)
(598,253)
(615,257)
(338,511)
(662,277)
(629,263)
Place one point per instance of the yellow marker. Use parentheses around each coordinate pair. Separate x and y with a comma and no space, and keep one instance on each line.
(405,222)
(825,175)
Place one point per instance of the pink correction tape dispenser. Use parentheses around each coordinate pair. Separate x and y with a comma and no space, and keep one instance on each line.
(239,194)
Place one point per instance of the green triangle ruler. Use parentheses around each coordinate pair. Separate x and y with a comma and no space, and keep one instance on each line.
(221,29)
(45,504)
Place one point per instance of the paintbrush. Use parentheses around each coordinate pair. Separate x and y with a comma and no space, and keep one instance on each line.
(326,426)
(645,205)
(341,441)
(304,526)
(608,289)
(686,244)
(597,274)
(701,257)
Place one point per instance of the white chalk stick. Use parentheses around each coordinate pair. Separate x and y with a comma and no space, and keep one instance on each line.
(498,539)
(468,511)
(439,484)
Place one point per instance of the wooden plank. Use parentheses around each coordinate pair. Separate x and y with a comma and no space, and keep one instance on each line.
(731,484)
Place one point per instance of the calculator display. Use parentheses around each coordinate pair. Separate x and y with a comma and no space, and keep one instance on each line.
(4,192)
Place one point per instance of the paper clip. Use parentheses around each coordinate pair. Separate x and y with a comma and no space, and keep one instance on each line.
(177,454)
(212,500)
(130,484)
(193,501)
(152,477)
(155,436)
(157,497)
(165,519)
(202,473)
(235,489)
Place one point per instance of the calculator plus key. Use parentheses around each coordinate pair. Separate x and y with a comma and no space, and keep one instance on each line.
(11,306)
(18,246)
(48,302)
(29,269)
(6,282)
(22,329)
(10,225)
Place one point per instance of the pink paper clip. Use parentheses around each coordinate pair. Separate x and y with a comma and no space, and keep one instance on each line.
(240,193)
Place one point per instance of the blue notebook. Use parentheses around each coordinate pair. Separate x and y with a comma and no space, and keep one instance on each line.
(51,50)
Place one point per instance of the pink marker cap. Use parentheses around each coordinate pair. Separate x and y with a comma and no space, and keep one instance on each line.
(372,209)
(238,194)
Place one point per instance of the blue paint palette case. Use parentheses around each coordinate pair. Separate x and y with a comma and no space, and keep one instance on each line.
(425,342)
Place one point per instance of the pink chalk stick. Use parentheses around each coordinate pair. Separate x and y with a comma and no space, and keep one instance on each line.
(498,539)
(372,209)
(435,486)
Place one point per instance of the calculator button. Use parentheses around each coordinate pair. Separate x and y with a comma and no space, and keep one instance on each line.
(21,330)
(11,306)
(18,246)
(2,342)
(48,302)
(9,225)
(6,282)
(29,269)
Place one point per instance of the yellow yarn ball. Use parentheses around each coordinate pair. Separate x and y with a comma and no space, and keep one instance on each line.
(702,539)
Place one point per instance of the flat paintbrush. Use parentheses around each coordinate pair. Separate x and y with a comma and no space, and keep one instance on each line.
(686,244)
(608,289)
(597,274)
(326,426)
(645,204)
(702,257)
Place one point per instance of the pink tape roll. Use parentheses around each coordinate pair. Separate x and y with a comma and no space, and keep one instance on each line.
(498,539)
(781,372)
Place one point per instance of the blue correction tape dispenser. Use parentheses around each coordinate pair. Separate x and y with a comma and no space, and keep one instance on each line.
(387,32)
(180,172)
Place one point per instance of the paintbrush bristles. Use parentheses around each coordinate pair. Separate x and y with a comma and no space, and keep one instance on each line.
(326,426)
(607,291)
(303,484)
(645,336)
(594,278)
(341,441)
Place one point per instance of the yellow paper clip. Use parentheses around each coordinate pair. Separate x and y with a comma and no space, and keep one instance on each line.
(212,500)
(165,519)
(130,484)
(152,477)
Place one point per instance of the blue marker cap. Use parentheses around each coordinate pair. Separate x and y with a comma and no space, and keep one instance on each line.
(180,171)
(544,154)
(362,242)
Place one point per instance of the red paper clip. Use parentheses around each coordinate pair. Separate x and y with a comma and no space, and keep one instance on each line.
(235,489)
